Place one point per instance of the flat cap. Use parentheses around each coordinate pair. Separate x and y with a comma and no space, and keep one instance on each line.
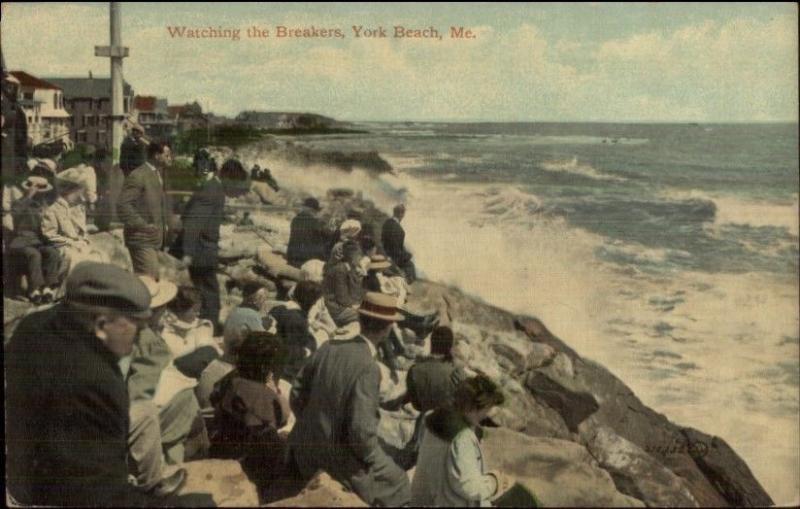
(103,285)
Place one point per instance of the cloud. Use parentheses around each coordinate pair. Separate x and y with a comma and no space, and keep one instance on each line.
(740,70)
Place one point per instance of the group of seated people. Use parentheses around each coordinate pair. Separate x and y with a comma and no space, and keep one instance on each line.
(285,374)
(45,231)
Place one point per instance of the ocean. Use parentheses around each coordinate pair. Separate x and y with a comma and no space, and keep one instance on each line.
(666,252)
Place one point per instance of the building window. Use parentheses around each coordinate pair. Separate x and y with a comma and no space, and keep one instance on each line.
(28,96)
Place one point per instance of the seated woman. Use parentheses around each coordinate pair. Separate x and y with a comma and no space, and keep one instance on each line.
(64,224)
(342,285)
(294,325)
(29,248)
(191,344)
(349,230)
(249,406)
(450,468)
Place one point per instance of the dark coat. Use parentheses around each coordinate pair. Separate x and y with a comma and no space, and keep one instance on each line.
(393,239)
(432,383)
(68,415)
(201,220)
(15,140)
(342,288)
(132,154)
(247,418)
(335,400)
(143,208)
(292,326)
(308,239)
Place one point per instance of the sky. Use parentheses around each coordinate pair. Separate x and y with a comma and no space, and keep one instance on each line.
(648,62)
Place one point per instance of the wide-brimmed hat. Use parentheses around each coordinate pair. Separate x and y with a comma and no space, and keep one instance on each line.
(42,164)
(380,306)
(378,262)
(40,183)
(161,292)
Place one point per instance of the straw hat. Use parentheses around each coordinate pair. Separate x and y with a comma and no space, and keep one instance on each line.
(40,183)
(380,306)
(161,292)
(378,262)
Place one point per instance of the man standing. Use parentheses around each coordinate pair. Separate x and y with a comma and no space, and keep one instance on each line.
(308,236)
(66,400)
(335,400)
(133,151)
(143,210)
(393,239)
(201,220)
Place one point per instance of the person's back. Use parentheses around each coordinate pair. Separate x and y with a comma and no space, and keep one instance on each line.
(449,454)
(307,239)
(247,418)
(68,407)
(432,383)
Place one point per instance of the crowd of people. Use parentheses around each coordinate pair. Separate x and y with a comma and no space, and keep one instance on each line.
(108,380)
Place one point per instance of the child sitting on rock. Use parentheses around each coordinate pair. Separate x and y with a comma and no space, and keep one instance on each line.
(191,343)
(249,406)
(450,468)
(64,224)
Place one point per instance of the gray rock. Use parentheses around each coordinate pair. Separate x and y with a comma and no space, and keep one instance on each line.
(559,472)
(636,473)
(541,355)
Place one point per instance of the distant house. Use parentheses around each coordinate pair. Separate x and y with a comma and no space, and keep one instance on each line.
(285,120)
(43,103)
(89,102)
(188,116)
(152,114)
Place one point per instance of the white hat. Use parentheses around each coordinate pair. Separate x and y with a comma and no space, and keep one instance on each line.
(40,183)
(161,292)
(350,228)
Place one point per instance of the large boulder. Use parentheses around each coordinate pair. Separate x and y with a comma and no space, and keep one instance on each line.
(637,473)
(728,473)
(621,411)
(559,472)
(321,491)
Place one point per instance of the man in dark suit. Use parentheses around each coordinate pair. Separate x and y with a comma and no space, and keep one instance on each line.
(143,209)
(133,151)
(308,236)
(66,399)
(335,400)
(393,239)
(201,221)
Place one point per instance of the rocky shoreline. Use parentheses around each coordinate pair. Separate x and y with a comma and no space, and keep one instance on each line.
(570,431)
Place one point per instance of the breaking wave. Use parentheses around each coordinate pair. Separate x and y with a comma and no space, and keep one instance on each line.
(572,166)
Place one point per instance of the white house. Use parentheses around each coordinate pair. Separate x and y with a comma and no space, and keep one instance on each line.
(43,103)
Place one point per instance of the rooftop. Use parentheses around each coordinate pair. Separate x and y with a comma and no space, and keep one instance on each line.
(28,80)
(87,87)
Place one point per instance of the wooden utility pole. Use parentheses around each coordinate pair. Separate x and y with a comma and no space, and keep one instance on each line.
(116,52)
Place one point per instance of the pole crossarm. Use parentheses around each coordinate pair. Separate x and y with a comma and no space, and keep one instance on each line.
(111,51)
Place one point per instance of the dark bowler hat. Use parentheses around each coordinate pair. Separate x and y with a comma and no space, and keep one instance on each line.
(106,286)
(312,203)
(380,306)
